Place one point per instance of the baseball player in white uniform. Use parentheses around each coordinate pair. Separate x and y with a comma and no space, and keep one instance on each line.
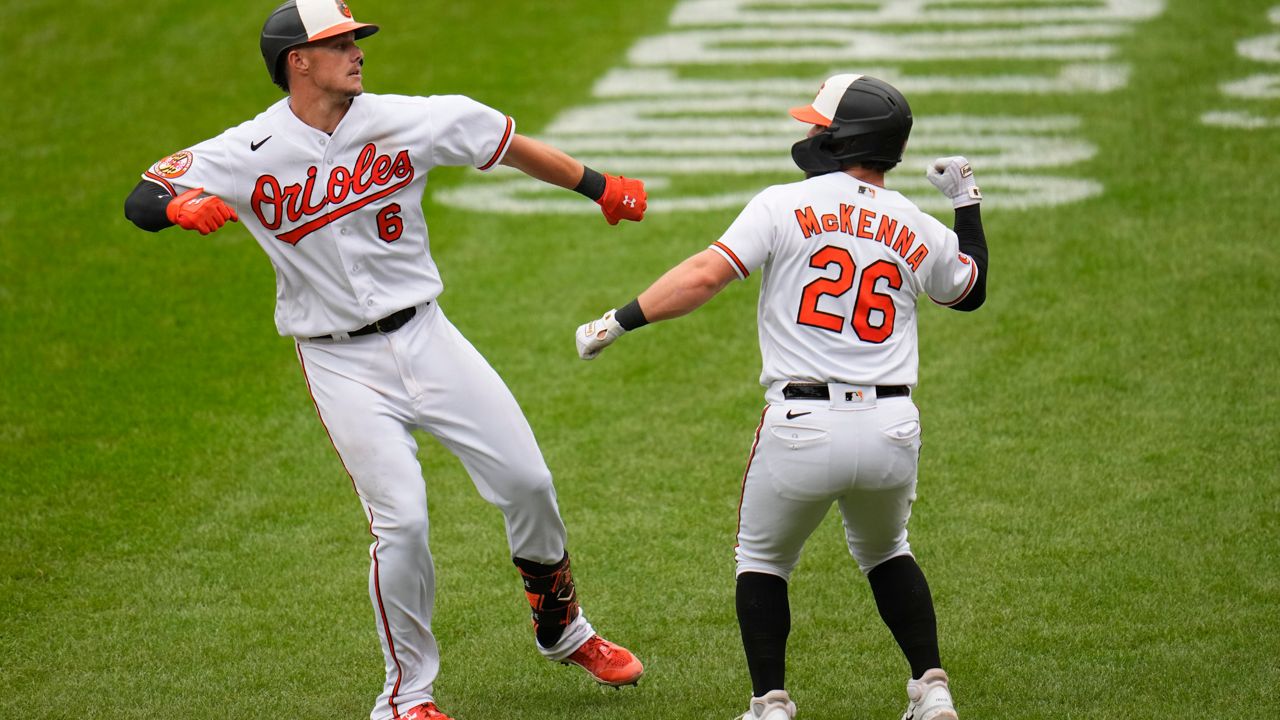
(329,181)
(843,260)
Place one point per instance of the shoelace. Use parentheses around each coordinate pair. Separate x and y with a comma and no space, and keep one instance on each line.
(602,648)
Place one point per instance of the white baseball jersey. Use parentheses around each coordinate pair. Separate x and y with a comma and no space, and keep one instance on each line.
(844,263)
(340,215)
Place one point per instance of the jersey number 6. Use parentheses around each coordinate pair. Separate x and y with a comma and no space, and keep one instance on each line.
(390,225)
(866,301)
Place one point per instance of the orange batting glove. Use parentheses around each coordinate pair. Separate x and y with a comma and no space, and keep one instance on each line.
(207,213)
(623,199)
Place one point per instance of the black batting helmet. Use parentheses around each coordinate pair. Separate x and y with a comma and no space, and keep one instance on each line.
(866,120)
(301,21)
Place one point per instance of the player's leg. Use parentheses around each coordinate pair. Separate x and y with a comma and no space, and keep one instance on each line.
(355,394)
(786,491)
(876,512)
(461,400)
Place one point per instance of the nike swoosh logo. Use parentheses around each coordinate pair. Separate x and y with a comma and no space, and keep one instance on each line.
(792,414)
(253,146)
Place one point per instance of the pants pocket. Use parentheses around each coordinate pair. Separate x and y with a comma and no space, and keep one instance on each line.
(799,461)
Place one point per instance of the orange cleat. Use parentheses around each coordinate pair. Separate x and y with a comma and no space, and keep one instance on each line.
(425,711)
(607,663)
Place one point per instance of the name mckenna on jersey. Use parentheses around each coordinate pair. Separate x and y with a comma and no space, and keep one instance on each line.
(272,202)
(897,237)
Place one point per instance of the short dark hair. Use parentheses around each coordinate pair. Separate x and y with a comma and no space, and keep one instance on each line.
(281,75)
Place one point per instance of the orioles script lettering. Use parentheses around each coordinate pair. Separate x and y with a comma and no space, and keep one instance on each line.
(273,203)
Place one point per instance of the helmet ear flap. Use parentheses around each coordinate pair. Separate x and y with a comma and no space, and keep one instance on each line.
(813,156)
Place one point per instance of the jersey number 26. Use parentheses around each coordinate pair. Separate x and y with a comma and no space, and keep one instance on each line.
(867,300)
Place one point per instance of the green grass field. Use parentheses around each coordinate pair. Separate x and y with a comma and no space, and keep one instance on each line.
(1099,510)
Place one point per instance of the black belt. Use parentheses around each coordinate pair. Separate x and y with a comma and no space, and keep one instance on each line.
(390,323)
(819,391)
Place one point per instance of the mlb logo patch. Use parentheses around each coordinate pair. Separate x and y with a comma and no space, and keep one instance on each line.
(864,190)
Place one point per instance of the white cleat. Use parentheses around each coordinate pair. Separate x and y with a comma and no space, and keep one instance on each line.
(930,698)
(775,705)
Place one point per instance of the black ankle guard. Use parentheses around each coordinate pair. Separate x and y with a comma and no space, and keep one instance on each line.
(552,597)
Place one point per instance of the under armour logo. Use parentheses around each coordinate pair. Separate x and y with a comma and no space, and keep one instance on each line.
(628,201)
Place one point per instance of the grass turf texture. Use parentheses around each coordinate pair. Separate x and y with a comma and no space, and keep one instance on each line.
(1098,513)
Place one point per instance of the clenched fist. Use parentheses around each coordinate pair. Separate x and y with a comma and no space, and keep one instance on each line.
(191,211)
(623,199)
(598,335)
(954,178)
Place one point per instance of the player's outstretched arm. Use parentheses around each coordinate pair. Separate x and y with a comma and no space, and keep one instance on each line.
(953,176)
(145,206)
(681,290)
(619,198)
(151,208)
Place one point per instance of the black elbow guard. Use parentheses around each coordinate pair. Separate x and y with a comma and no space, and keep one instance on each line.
(146,205)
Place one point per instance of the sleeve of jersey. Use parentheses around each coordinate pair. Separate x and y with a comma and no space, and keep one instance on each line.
(952,274)
(747,242)
(465,132)
(201,166)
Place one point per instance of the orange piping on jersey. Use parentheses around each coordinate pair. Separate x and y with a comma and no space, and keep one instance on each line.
(742,269)
(502,146)
(377,541)
(167,185)
(746,472)
(973,277)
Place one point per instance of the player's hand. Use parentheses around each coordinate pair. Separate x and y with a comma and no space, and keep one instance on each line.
(192,211)
(954,178)
(623,199)
(598,335)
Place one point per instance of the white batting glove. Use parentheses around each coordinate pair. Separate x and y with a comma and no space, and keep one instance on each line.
(598,335)
(954,178)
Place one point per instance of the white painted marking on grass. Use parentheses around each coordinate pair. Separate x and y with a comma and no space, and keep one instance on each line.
(1263,49)
(1254,87)
(511,192)
(822,44)
(1259,87)
(782,13)
(1239,120)
(1070,78)
(699,111)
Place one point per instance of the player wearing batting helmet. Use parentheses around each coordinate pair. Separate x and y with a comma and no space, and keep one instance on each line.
(844,260)
(329,181)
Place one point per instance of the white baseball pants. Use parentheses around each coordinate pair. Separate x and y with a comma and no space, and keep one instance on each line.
(860,453)
(371,391)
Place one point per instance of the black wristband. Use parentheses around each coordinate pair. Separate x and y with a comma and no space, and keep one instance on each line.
(591,184)
(630,316)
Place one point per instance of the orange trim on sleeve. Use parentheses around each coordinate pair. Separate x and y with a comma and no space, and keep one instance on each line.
(973,278)
(742,269)
(165,183)
(502,146)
